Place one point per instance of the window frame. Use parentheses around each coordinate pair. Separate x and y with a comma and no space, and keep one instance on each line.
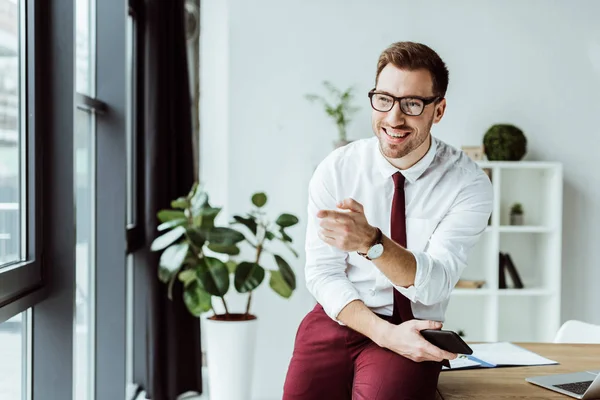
(22,283)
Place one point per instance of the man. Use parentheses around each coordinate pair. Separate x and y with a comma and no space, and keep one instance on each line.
(391,220)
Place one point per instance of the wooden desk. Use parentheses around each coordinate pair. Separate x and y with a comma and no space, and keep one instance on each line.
(509,382)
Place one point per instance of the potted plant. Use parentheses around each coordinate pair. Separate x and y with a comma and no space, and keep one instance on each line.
(203,257)
(504,142)
(339,109)
(516,214)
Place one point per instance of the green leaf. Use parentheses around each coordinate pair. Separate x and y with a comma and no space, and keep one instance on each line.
(214,276)
(279,285)
(287,244)
(196,237)
(285,236)
(196,300)
(181,203)
(198,201)
(206,216)
(259,199)
(332,89)
(286,220)
(269,235)
(172,223)
(164,275)
(187,277)
(286,272)
(232,250)
(249,223)
(312,97)
(248,276)
(224,236)
(231,266)
(172,258)
(168,215)
(167,239)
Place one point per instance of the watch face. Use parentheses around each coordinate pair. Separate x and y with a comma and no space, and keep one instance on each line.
(375,251)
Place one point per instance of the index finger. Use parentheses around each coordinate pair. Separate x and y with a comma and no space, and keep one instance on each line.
(439,353)
(435,351)
(336,215)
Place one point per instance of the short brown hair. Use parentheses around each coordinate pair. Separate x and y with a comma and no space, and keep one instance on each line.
(412,56)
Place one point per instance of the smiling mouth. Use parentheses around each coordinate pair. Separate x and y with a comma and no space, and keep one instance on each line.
(397,135)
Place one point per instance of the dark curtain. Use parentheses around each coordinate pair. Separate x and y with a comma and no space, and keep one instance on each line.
(173,335)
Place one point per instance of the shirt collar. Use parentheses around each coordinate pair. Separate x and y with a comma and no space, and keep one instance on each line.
(411,174)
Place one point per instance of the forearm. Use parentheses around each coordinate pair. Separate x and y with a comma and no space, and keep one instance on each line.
(397,263)
(360,318)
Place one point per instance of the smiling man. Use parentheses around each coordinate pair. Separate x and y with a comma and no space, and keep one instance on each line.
(391,220)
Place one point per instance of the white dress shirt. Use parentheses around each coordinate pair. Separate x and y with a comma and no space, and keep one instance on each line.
(448,204)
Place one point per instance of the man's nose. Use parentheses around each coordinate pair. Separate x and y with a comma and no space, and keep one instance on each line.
(395,117)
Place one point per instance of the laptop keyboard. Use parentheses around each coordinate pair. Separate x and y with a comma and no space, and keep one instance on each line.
(575,387)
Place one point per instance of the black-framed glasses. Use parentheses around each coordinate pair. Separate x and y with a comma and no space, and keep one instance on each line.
(413,105)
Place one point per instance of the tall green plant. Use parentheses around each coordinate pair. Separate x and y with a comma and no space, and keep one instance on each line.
(190,235)
(339,108)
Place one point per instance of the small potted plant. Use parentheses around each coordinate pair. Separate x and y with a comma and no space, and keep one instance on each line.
(339,109)
(504,142)
(203,258)
(516,214)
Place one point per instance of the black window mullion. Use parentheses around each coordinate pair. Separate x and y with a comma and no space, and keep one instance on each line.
(111,176)
(53,71)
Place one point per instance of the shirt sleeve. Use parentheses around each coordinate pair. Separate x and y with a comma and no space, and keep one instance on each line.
(326,265)
(441,264)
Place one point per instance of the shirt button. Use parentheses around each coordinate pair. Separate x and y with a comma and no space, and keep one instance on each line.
(372,291)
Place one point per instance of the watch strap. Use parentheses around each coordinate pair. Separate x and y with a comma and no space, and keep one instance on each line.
(377,240)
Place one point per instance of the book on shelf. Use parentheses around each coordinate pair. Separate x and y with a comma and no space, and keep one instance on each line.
(512,270)
(506,265)
(501,273)
(469,284)
(499,354)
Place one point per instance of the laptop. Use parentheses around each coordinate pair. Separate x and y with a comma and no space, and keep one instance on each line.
(580,385)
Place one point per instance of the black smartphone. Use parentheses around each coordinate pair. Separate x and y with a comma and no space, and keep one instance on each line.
(447,340)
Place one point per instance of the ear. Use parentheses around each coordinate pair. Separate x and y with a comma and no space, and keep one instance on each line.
(440,108)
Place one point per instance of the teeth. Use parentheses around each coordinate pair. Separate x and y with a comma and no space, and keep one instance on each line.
(401,135)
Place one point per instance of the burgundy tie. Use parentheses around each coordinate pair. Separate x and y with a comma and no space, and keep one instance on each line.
(402,308)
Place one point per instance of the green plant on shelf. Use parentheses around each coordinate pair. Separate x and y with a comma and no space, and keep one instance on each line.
(516,209)
(339,108)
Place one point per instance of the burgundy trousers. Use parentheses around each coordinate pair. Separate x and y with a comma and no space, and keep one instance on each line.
(333,362)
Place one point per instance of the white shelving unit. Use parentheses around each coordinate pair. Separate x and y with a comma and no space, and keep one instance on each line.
(530,314)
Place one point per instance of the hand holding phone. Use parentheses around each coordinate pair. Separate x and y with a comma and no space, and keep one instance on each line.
(447,340)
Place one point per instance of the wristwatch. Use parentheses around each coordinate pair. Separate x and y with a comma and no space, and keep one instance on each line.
(376,249)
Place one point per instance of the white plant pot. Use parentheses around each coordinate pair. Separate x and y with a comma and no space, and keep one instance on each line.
(230,358)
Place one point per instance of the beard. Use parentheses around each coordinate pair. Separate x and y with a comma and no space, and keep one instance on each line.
(416,138)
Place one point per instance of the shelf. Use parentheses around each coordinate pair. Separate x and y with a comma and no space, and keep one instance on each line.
(525,292)
(502,292)
(518,164)
(471,292)
(533,312)
(524,229)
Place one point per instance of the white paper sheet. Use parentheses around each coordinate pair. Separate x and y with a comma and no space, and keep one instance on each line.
(490,355)
(505,353)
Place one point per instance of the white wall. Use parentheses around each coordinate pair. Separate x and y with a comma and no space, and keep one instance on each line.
(533,63)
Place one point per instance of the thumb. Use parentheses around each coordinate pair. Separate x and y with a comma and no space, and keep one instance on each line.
(350,204)
(422,325)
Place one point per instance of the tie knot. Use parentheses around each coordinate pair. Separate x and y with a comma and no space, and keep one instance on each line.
(398,180)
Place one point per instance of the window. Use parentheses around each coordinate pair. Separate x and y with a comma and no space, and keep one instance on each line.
(13,362)
(20,267)
(11,140)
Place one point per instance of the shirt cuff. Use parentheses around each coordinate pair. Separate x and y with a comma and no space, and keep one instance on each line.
(422,277)
(334,306)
